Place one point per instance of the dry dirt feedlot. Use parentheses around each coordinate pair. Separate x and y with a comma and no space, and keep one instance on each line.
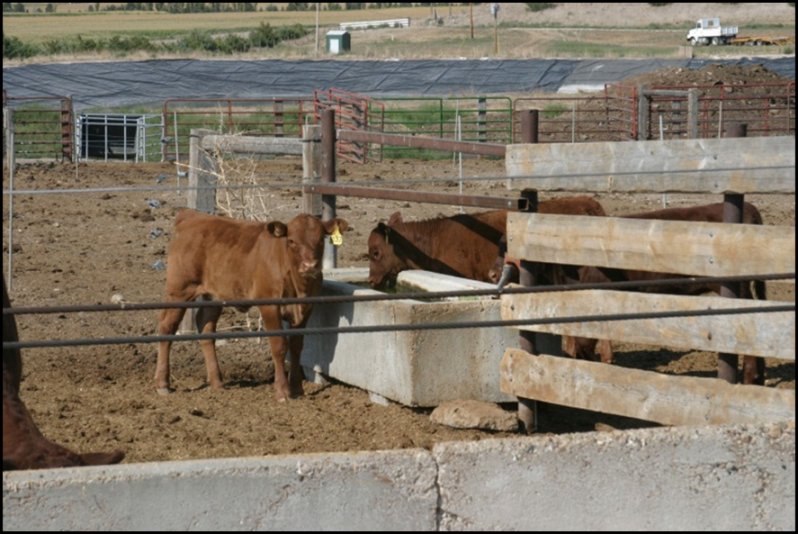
(85,248)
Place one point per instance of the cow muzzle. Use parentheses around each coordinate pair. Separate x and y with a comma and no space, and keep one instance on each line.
(388,282)
(309,269)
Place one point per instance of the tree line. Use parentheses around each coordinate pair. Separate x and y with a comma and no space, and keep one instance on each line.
(214,7)
(264,36)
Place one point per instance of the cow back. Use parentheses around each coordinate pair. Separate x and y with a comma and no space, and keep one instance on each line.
(463,245)
(704,213)
(12,360)
(224,258)
(579,205)
(229,259)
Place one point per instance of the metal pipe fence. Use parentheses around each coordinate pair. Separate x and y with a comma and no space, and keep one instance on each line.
(433,295)
(276,116)
(46,128)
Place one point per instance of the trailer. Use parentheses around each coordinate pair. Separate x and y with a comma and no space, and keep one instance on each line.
(761,40)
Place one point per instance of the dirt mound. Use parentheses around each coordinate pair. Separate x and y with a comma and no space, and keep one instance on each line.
(714,74)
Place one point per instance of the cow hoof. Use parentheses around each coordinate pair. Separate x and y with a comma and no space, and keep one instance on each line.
(165,391)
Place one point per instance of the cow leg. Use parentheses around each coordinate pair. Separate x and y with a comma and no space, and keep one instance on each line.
(295,373)
(207,317)
(569,346)
(167,325)
(604,349)
(753,370)
(581,348)
(271,321)
(753,366)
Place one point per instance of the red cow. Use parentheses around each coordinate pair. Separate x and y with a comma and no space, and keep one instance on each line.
(505,271)
(753,367)
(24,446)
(461,245)
(225,259)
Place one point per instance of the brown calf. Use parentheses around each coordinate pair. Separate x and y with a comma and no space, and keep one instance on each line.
(225,259)
(753,367)
(461,245)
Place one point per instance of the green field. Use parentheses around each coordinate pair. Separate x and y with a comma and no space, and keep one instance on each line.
(81,35)
(43,27)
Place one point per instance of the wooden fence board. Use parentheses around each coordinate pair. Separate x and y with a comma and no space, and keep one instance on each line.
(691,248)
(253,145)
(740,165)
(647,395)
(769,334)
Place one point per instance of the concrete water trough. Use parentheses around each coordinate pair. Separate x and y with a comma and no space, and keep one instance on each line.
(413,367)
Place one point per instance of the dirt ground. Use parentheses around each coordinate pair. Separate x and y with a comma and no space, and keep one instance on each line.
(72,249)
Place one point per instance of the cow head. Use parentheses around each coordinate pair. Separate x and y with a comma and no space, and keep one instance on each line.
(305,236)
(385,261)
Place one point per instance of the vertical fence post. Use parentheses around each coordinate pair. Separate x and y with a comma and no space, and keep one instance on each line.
(201,196)
(482,119)
(311,167)
(532,342)
(528,408)
(692,113)
(279,121)
(530,126)
(643,109)
(732,213)
(328,176)
(67,131)
(8,124)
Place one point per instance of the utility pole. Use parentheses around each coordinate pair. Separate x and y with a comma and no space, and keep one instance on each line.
(494,10)
(317,29)
(471,13)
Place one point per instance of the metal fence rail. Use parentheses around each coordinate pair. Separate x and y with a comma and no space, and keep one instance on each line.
(432,295)
(480,119)
(45,127)
(276,116)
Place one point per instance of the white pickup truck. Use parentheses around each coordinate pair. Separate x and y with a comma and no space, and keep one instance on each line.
(709,31)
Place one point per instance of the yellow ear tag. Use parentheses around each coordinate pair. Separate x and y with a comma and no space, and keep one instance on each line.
(336,238)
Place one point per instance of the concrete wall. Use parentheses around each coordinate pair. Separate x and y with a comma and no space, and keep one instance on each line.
(670,478)
(415,367)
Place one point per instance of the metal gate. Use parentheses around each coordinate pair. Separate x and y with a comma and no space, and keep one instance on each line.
(276,117)
(127,137)
(43,126)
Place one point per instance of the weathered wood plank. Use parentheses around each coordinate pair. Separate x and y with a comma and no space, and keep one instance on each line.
(691,248)
(647,395)
(740,165)
(253,145)
(769,334)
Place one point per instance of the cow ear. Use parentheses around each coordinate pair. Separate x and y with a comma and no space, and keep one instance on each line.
(385,230)
(396,218)
(336,224)
(277,229)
